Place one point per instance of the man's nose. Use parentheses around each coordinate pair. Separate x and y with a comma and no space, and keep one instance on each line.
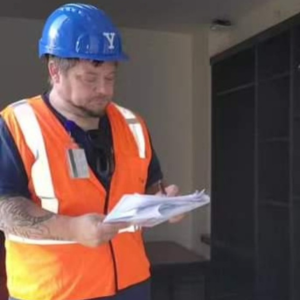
(102,87)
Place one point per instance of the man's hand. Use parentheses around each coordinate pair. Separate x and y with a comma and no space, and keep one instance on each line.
(89,230)
(172,191)
(22,217)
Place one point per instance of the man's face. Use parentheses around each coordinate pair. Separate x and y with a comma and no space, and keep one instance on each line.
(87,87)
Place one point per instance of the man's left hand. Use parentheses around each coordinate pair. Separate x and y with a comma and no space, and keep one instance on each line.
(172,191)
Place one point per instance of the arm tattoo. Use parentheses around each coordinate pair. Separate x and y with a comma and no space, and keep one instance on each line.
(22,217)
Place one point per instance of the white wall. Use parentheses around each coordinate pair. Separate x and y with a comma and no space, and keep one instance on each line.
(21,72)
(201,114)
(168,80)
(255,21)
(157,82)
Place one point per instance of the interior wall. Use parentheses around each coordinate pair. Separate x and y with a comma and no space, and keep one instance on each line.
(201,114)
(157,82)
(253,22)
(22,74)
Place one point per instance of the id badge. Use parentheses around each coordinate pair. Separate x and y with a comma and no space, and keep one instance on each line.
(78,165)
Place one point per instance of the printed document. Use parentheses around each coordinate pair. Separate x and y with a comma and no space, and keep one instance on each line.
(151,210)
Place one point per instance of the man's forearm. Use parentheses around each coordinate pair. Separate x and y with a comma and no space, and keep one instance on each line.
(22,217)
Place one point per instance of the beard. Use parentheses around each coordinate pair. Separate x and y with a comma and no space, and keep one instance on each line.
(93,111)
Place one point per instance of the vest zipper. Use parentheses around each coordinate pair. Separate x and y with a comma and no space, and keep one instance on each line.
(111,245)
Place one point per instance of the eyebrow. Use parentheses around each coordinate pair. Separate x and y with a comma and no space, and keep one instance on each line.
(94,73)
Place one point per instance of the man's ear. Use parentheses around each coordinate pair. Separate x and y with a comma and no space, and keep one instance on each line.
(53,70)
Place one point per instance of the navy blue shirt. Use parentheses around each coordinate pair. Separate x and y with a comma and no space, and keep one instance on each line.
(13,178)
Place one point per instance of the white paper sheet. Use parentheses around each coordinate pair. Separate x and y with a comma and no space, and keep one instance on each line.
(151,210)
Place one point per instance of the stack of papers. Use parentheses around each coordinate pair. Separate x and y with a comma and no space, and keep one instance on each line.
(151,210)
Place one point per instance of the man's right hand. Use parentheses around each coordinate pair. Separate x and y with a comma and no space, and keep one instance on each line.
(89,230)
(22,217)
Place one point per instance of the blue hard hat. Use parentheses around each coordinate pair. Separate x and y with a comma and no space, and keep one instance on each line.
(81,31)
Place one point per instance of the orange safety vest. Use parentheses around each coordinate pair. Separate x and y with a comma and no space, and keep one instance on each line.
(62,270)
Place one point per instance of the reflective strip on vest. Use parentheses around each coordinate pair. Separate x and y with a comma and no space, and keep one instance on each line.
(136,129)
(40,172)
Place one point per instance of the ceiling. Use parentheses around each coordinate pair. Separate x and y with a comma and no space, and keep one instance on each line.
(179,15)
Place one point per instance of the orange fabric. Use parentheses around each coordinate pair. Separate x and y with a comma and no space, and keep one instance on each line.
(73,272)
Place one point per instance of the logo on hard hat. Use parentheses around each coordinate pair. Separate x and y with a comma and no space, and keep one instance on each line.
(110,36)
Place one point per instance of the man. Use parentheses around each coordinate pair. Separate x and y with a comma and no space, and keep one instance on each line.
(66,159)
